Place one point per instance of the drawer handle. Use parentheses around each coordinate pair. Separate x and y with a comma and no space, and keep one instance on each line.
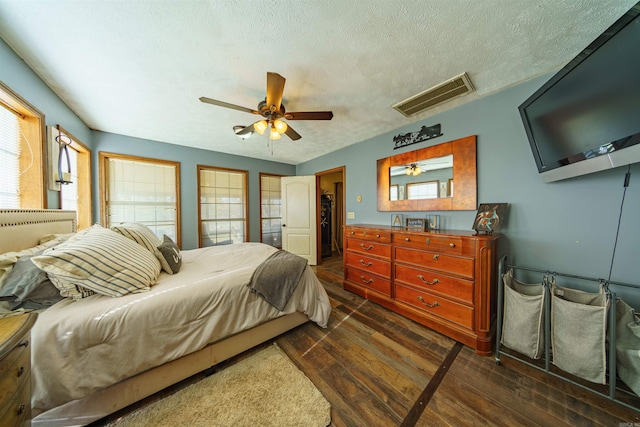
(435,303)
(21,408)
(406,239)
(368,264)
(365,280)
(426,282)
(427,241)
(378,236)
(20,371)
(365,247)
(436,256)
(24,343)
(353,232)
(452,245)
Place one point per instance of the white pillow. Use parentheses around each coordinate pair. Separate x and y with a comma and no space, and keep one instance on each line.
(99,260)
(7,260)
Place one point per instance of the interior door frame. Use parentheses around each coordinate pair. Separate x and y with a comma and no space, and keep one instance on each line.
(341,170)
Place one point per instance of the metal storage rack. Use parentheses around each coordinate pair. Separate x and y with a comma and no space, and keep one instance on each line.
(611,326)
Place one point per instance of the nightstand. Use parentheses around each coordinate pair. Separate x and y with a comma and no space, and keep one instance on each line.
(15,369)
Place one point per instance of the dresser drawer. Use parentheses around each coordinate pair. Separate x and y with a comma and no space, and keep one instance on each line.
(436,305)
(431,242)
(436,282)
(16,410)
(370,281)
(368,247)
(456,265)
(14,370)
(372,265)
(372,235)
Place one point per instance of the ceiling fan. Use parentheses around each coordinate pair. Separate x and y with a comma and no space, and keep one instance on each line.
(272,110)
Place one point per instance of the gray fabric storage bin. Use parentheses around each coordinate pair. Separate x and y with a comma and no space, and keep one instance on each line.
(628,345)
(578,332)
(523,323)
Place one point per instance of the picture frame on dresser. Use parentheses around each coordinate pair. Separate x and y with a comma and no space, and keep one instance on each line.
(416,224)
(490,217)
(397,221)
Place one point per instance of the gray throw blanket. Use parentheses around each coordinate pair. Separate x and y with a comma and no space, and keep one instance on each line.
(277,277)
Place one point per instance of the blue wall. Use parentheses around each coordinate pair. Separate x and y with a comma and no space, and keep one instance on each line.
(567,226)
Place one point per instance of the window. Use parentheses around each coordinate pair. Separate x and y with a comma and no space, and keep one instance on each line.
(222,213)
(423,190)
(270,210)
(77,195)
(393,192)
(138,189)
(22,176)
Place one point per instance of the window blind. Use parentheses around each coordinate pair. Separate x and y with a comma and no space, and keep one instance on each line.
(145,192)
(9,159)
(222,207)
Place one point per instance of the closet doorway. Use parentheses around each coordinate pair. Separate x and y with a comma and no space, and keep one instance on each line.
(331,212)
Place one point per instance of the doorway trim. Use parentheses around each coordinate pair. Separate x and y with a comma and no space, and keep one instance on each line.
(342,170)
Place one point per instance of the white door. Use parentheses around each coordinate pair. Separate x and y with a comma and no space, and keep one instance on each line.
(299,216)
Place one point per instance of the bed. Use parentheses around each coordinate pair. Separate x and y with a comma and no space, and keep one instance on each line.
(95,354)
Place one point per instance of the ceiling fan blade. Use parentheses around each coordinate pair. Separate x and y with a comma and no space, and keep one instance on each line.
(292,133)
(308,115)
(227,105)
(275,88)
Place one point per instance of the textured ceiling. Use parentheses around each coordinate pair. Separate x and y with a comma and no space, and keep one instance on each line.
(138,67)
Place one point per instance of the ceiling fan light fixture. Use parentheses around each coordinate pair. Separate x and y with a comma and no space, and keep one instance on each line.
(239,128)
(413,170)
(260,126)
(274,134)
(280,126)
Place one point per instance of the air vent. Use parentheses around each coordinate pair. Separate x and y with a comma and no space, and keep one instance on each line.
(452,88)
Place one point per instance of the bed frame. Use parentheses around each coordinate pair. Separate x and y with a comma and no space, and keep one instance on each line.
(21,229)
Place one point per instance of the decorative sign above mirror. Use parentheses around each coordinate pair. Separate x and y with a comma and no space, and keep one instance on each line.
(437,178)
(425,133)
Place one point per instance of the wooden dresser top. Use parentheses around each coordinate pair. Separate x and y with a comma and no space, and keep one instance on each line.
(12,329)
(462,233)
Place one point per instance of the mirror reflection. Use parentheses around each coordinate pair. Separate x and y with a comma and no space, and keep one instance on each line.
(422,179)
(432,191)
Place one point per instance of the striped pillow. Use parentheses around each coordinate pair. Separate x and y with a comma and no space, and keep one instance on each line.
(145,237)
(101,261)
(139,233)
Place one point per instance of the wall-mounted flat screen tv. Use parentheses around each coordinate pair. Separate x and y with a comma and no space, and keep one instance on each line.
(586,118)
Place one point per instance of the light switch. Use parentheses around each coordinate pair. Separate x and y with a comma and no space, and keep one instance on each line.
(351,215)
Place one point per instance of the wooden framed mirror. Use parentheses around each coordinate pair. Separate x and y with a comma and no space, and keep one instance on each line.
(437,178)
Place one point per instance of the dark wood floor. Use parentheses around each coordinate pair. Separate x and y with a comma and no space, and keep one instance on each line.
(374,366)
(377,368)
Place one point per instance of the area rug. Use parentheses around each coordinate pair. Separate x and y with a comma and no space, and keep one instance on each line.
(265,389)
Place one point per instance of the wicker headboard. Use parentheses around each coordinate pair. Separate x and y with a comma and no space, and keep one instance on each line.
(23,228)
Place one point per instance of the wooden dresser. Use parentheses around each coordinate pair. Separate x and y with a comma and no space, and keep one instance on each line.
(444,280)
(15,370)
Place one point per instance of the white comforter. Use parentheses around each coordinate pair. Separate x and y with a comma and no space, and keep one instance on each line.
(80,347)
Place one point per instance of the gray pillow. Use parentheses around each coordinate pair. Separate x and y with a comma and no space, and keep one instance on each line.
(171,257)
(26,286)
